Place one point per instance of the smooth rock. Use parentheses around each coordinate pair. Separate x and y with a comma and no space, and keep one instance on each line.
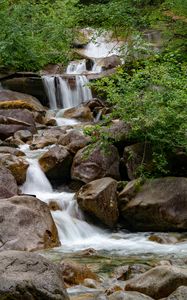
(26,276)
(26,224)
(74,273)
(8,185)
(14,100)
(17,165)
(158,282)
(23,121)
(159,205)
(81,113)
(11,150)
(56,163)
(74,140)
(94,163)
(99,199)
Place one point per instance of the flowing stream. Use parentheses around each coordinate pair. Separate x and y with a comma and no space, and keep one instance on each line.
(75,233)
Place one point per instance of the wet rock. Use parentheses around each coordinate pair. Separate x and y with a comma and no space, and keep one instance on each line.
(163,238)
(136,156)
(74,140)
(26,224)
(56,163)
(17,165)
(128,296)
(130,271)
(74,273)
(23,135)
(109,62)
(81,113)
(179,294)
(21,119)
(158,282)
(8,185)
(90,283)
(11,150)
(113,289)
(94,163)
(99,199)
(14,100)
(159,205)
(54,206)
(40,142)
(88,252)
(25,275)
(129,191)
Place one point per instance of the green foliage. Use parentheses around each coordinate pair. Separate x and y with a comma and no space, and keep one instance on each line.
(34,33)
(153,101)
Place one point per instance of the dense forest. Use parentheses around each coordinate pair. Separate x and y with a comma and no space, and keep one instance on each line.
(149,91)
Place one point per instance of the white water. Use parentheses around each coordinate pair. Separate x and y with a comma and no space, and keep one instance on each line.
(68,96)
(75,233)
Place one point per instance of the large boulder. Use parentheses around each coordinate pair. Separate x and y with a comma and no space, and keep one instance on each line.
(26,224)
(8,185)
(14,100)
(27,276)
(12,120)
(99,199)
(74,140)
(31,85)
(158,282)
(159,205)
(81,113)
(17,165)
(94,163)
(56,163)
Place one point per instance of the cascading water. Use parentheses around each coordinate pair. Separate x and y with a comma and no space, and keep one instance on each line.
(62,95)
(77,234)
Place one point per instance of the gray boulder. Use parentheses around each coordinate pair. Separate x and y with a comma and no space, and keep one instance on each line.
(26,224)
(29,276)
(99,199)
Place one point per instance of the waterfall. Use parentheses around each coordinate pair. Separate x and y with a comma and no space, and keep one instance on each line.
(49,85)
(75,233)
(62,95)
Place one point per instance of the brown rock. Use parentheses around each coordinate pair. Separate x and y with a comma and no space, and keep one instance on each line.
(26,224)
(17,165)
(11,150)
(81,113)
(99,199)
(23,121)
(8,185)
(159,205)
(158,282)
(74,140)
(25,275)
(56,163)
(74,273)
(14,100)
(23,135)
(94,163)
